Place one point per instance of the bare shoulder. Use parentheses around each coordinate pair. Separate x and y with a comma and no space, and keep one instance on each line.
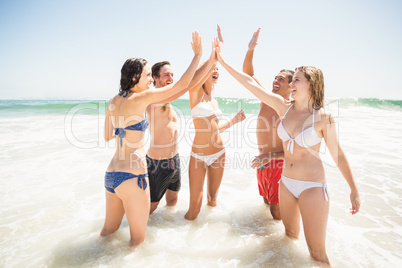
(324,121)
(112,103)
(284,107)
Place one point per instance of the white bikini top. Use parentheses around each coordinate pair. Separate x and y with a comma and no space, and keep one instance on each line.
(203,109)
(304,139)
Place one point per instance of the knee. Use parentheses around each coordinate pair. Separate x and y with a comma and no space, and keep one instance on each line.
(134,242)
(107,231)
(292,234)
(154,205)
(172,201)
(192,213)
(275,212)
(318,254)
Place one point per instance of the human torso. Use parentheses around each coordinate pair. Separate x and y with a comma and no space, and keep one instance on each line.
(267,137)
(163,129)
(129,116)
(207,139)
(301,145)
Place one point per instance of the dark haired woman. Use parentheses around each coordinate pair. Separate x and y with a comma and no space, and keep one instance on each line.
(126,180)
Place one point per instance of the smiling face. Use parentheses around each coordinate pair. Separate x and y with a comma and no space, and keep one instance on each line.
(145,80)
(213,78)
(165,76)
(281,84)
(300,86)
(308,84)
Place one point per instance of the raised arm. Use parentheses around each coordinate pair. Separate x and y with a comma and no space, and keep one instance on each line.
(159,94)
(277,102)
(332,142)
(248,67)
(200,76)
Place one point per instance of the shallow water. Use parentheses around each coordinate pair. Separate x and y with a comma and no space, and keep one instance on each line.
(52,200)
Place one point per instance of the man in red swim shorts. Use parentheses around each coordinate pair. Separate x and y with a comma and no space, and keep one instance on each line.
(269,144)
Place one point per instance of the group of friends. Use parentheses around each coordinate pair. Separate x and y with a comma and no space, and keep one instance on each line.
(290,174)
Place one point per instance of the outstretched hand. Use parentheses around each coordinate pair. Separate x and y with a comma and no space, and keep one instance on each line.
(253,42)
(196,43)
(240,116)
(213,57)
(218,49)
(220,34)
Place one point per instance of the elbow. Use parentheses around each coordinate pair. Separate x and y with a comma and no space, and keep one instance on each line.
(108,137)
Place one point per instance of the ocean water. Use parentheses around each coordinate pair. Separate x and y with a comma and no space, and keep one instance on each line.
(52,203)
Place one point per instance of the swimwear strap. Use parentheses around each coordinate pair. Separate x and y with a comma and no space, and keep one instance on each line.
(121,133)
(124,92)
(141,181)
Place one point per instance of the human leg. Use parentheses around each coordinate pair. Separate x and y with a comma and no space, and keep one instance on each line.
(215,174)
(114,214)
(154,205)
(273,172)
(275,211)
(262,188)
(314,211)
(172,192)
(171,197)
(197,170)
(290,213)
(136,202)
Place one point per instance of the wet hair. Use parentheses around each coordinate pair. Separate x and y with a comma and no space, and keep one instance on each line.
(156,69)
(316,79)
(132,68)
(289,73)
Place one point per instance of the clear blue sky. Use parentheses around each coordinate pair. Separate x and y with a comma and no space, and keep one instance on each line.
(75,49)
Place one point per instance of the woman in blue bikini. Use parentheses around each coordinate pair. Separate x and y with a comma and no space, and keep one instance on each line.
(126,180)
(303,189)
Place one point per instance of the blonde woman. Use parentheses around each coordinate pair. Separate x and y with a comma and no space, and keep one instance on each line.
(303,189)
(207,152)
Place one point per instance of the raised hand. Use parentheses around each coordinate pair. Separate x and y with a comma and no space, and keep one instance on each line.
(196,43)
(218,49)
(253,42)
(213,57)
(220,34)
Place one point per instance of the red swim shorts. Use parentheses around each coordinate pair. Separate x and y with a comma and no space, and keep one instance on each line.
(268,178)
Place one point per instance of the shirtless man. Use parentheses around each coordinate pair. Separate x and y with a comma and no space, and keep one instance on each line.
(162,157)
(270,160)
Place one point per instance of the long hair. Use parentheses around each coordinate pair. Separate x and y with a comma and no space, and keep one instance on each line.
(316,79)
(132,68)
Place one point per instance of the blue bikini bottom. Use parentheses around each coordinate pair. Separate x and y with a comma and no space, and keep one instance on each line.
(114,179)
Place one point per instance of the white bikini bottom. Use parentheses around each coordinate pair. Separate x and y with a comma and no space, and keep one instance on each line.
(296,187)
(208,159)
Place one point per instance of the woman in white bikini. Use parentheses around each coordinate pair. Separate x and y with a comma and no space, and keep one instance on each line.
(303,189)
(207,151)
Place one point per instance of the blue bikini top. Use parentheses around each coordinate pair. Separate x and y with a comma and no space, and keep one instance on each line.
(140,126)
